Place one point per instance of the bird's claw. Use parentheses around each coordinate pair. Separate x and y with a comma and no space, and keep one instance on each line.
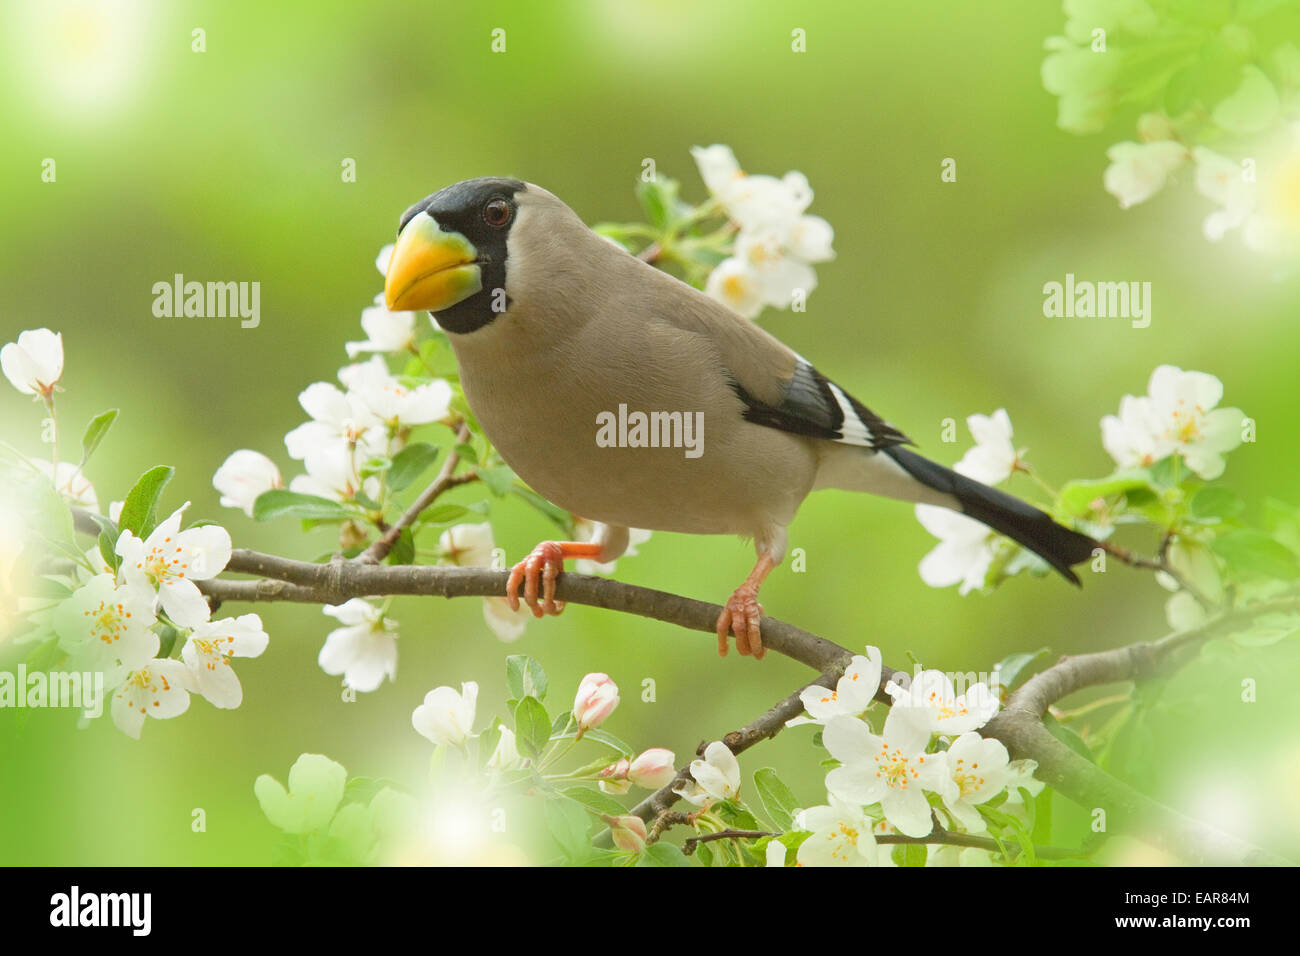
(740,616)
(545,563)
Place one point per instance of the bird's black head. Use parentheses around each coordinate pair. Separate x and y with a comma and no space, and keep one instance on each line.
(450,256)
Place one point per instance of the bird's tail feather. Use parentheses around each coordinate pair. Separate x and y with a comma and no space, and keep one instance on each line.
(1057,545)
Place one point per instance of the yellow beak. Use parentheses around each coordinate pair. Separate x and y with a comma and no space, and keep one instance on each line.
(430,269)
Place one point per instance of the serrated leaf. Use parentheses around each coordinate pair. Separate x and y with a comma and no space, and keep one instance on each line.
(410,463)
(569,823)
(596,801)
(525,677)
(778,801)
(140,509)
(95,432)
(598,735)
(532,727)
(280,503)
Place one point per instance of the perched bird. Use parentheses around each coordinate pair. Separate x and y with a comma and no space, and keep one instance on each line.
(559,332)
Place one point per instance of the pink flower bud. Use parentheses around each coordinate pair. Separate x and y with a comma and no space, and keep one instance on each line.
(628,832)
(653,769)
(613,779)
(596,699)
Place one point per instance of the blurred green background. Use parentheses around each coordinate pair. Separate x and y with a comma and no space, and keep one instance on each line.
(226,165)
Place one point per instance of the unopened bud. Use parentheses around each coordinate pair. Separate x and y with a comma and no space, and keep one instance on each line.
(653,769)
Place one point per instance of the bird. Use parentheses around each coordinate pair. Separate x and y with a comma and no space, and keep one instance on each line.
(559,332)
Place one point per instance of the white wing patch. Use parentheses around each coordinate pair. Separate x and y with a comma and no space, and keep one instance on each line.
(853,431)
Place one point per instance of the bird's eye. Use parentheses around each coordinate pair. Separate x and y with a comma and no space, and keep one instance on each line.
(497,213)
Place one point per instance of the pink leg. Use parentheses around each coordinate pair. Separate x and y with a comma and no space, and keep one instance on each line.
(741,614)
(544,565)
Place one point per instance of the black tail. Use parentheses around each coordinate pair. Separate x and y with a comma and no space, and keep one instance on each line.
(1057,545)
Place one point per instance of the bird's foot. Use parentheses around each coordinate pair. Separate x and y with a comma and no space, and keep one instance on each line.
(740,616)
(742,612)
(541,569)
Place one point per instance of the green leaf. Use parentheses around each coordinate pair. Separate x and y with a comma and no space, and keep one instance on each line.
(280,503)
(403,551)
(658,198)
(443,514)
(1252,107)
(167,636)
(1013,665)
(108,533)
(598,735)
(1217,503)
(375,465)
(498,479)
(558,516)
(1076,497)
(569,823)
(466,453)
(95,432)
(909,854)
(1068,736)
(660,853)
(140,509)
(409,463)
(777,799)
(736,816)
(596,801)
(1254,552)
(532,727)
(525,677)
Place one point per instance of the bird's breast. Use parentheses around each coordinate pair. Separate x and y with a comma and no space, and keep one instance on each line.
(635,433)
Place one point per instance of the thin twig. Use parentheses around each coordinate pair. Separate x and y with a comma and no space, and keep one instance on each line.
(690,843)
(446,479)
(942,837)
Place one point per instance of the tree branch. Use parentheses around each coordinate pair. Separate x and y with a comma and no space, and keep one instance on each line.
(447,478)
(1019,726)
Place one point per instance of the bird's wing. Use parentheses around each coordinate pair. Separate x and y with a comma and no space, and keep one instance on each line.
(778,387)
(811,404)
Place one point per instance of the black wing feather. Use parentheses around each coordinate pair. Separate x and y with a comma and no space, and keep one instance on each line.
(815,406)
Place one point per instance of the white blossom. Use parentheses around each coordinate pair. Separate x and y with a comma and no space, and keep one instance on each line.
(160,689)
(34,364)
(447,717)
(208,651)
(716,776)
(1140,170)
(964,552)
(893,769)
(364,650)
(994,457)
(243,476)
(841,836)
(171,561)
